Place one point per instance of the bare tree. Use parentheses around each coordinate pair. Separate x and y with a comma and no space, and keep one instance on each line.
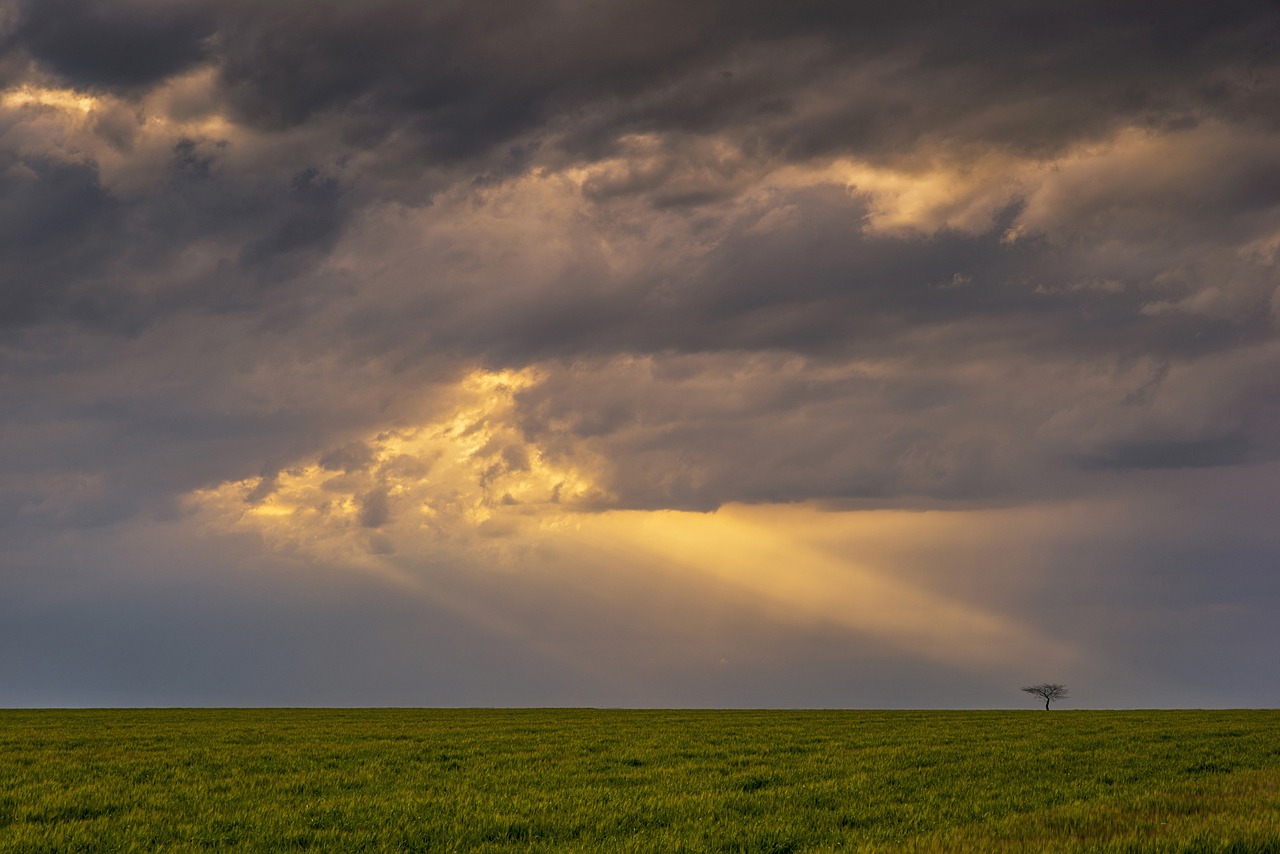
(1050,691)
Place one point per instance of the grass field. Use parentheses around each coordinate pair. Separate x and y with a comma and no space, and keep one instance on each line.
(662,781)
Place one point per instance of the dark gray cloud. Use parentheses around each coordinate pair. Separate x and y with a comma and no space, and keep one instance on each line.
(59,224)
(114,43)
(75,250)
(1231,449)
(825,77)
(822,284)
(465,78)
(459,80)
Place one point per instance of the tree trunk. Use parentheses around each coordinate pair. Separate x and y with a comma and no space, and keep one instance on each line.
(1046,704)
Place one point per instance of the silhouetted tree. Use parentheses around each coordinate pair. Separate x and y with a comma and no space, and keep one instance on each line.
(1050,691)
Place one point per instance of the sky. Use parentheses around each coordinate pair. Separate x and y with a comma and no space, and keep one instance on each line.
(639,353)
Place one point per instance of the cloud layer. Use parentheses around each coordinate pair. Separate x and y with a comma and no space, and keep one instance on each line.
(580,329)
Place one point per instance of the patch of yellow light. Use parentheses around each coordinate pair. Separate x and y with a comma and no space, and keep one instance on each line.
(935,187)
(59,99)
(214,127)
(467,474)
(129,141)
(922,191)
(272,507)
(783,557)
(926,192)
(905,200)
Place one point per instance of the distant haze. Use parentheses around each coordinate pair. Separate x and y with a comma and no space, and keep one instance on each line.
(639,353)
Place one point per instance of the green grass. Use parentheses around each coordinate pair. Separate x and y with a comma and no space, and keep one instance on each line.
(662,781)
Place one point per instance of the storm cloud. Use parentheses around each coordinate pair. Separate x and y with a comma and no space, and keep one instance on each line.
(546,323)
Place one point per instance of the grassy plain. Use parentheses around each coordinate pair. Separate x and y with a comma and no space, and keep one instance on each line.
(660,781)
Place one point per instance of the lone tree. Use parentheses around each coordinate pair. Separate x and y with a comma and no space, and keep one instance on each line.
(1050,691)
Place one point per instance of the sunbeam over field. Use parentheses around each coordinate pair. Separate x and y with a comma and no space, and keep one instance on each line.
(639,353)
(652,781)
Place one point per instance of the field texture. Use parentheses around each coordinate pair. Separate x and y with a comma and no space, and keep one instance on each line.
(662,781)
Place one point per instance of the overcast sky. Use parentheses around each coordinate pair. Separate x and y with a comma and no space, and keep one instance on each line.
(639,352)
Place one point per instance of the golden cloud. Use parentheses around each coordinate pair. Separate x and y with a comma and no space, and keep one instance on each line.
(467,489)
